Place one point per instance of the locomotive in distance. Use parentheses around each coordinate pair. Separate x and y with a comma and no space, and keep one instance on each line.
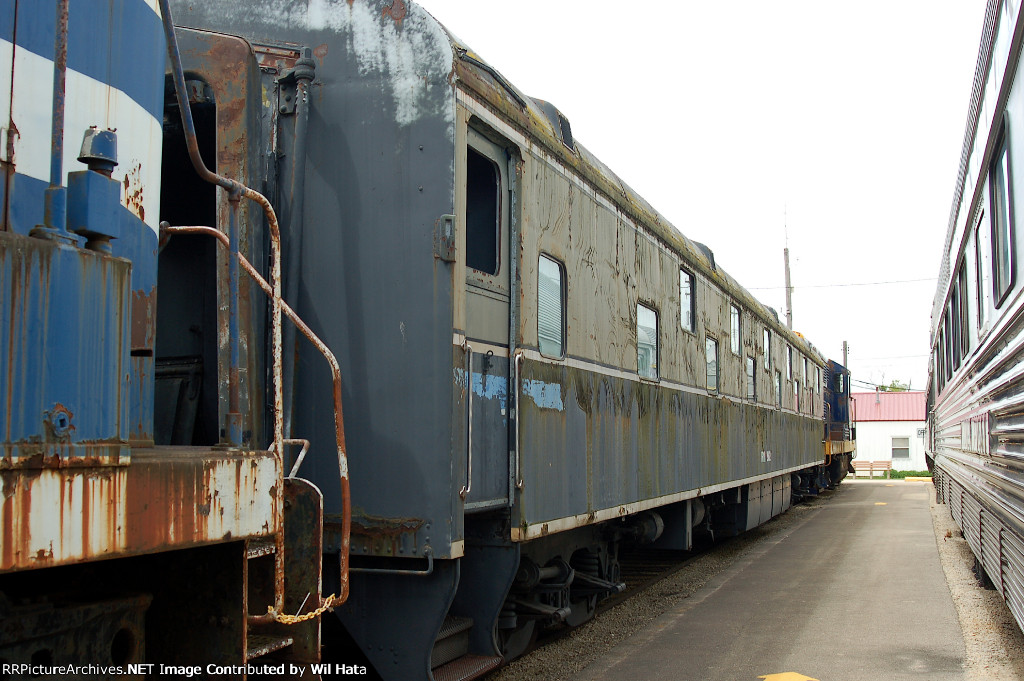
(446,238)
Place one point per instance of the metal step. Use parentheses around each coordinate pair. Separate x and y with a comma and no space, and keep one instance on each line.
(466,668)
(452,641)
(258,645)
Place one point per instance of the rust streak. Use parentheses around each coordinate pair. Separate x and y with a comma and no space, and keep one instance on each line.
(396,10)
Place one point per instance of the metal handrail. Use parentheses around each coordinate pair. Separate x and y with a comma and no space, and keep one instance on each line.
(464,492)
(339,426)
(517,365)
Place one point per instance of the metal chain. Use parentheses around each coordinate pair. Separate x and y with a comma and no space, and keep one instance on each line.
(296,619)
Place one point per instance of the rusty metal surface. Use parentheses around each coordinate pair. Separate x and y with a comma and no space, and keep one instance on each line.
(168,498)
(64,343)
(303,530)
(376,536)
(226,68)
(339,424)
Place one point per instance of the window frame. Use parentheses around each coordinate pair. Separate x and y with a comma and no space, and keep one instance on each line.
(751,367)
(778,389)
(735,329)
(893,448)
(562,303)
(496,154)
(709,342)
(1002,210)
(767,348)
(691,295)
(962,286)
(655,368)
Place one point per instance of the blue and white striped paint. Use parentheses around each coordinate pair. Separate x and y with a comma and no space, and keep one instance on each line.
(116,56)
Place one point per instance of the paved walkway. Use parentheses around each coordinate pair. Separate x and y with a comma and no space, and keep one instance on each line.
(853,593)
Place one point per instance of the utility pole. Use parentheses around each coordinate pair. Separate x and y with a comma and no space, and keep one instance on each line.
(789,290)
(845,349)
(785,256)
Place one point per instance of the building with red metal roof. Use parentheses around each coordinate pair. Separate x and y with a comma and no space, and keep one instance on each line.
(891,427)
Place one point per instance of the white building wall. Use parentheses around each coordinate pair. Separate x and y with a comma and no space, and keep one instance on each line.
(874,443)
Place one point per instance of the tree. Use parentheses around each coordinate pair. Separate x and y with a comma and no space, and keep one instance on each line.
(895,387)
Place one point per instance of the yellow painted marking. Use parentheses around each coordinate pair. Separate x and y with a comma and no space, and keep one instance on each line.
(881,503)
(890,485)
(787,676)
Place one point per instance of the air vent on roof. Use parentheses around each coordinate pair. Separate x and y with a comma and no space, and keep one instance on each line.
(708,253)
(559,123)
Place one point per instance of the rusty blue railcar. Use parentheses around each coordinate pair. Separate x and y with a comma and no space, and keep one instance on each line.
(142,493)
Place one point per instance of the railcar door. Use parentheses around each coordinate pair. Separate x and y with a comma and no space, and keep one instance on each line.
(487,219)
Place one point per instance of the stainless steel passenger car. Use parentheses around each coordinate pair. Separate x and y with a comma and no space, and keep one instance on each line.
(538,367)
(976,401)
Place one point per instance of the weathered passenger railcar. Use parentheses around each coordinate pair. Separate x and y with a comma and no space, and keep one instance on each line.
(538,366)
(539,369)
(976,396)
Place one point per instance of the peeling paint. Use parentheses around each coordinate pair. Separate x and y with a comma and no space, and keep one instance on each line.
(544,395)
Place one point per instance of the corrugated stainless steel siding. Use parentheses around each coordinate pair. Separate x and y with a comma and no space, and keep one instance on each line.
(991,549)
(1013,576)
(971,523)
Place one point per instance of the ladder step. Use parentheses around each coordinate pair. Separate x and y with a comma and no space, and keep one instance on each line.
(452,641)
(466,668)
(261,546)
(258,645)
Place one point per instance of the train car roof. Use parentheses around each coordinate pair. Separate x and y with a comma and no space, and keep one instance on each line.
(545,125)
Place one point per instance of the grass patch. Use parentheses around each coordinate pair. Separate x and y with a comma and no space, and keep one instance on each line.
(899,475)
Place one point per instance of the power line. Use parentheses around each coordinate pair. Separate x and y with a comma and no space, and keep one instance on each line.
(866,283)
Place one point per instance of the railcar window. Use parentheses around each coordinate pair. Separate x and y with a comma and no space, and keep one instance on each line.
(807,369)
(965,336)
(711,355)
(981,271)
(796,395)
(767,349)
(901,448)
(789,363)
(686,301)
(646,341)
(778,388)
(751,379)
(550,307)
(483,213)
(817,379)
(954,322)
(1002,223)
(947,337)
(734,329)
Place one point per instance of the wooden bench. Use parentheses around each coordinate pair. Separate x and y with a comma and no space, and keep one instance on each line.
(870,467)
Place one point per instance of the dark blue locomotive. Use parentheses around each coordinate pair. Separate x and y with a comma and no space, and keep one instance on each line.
(539,371)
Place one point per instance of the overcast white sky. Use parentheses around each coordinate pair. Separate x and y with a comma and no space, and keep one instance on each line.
(839,122)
